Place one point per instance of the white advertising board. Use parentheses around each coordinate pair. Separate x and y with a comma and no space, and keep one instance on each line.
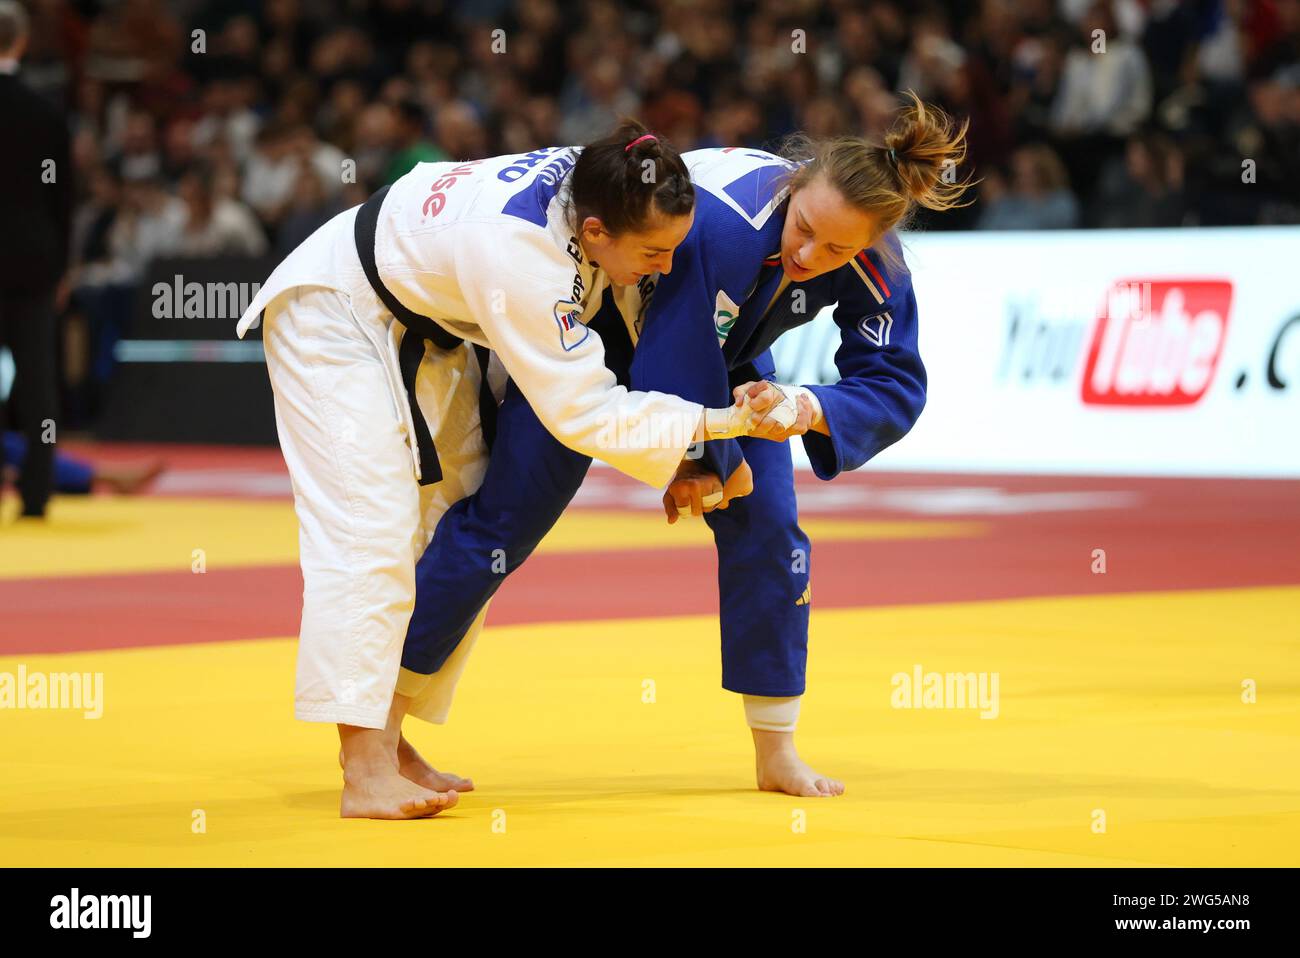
(1144,352)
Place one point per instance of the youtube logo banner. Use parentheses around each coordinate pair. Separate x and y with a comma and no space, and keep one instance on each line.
(1157,342)
(1138,352)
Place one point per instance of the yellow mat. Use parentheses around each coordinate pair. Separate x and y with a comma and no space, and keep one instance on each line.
(1127,707)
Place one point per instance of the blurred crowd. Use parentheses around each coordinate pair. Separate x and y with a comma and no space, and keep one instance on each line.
(208,127)
(218,126)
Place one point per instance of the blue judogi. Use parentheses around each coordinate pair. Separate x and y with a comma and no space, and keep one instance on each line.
(727,270)
(72,476)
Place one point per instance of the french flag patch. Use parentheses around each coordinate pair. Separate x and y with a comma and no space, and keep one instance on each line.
(572,331)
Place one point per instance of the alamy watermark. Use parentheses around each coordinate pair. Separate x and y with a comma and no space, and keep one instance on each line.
(181,300)
(919,689)
(649,431)
(75,910)
(82,691)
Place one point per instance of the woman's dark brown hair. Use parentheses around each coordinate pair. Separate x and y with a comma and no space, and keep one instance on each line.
(625,177)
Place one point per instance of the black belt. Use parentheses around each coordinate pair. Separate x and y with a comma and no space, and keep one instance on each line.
(411,352)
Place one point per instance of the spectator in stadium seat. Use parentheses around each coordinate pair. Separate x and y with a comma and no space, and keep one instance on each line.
(596,102)
(376,130)
(1038,197)
(337,117)
(269,176)
(228,115)
(932,55)
(215,227)
(460,133)
(1102,92)
(309,209)
(1038,67)
(146,223)
(1105,95)
(323,160)
(1146,188)
(734,121)
(139,155)
(1266,131)
(1274,29)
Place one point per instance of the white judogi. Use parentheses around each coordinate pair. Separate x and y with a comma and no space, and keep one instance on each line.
(483,249)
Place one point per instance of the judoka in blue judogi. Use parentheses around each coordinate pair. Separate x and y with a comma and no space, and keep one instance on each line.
(699,330)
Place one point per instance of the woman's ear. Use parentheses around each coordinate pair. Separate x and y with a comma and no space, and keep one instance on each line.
(593,230)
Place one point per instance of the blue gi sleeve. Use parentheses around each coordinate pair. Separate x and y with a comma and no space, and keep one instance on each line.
(882,384)
(678,351)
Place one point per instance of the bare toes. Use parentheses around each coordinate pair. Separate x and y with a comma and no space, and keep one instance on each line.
(423,806)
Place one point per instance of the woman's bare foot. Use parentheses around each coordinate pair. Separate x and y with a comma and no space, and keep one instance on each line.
(411,764)
(373,784)
(380,791)
(778,768)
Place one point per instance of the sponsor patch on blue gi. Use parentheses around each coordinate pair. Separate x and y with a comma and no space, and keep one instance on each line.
(725,313)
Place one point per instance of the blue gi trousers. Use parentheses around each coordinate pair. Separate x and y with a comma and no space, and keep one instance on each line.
(763,555)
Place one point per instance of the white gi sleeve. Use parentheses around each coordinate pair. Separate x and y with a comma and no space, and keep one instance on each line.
(521,293)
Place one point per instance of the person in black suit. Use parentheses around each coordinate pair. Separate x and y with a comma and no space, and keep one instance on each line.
(36,213)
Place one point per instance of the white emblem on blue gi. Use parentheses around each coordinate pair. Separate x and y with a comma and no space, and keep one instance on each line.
(876,328)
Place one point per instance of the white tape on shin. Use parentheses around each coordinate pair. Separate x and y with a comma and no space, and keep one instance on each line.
(768,714)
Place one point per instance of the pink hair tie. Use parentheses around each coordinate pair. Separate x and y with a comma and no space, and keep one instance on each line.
(643,137)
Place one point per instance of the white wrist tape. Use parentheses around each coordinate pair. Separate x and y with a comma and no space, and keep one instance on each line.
(728,422)
(768,714)
(797,391)
(786,412)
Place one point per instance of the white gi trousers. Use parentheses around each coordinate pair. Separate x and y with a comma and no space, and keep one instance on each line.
(343,423)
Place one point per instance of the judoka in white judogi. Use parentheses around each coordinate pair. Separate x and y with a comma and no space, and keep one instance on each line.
(485,250)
